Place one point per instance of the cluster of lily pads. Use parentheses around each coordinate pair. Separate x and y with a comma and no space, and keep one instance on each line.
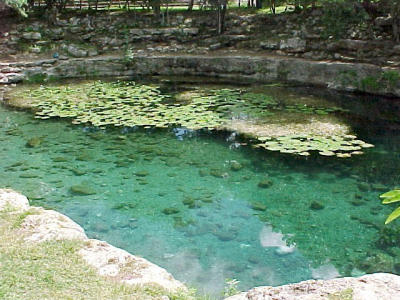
(340,146)
(301,108)
(129,104)
(120,104)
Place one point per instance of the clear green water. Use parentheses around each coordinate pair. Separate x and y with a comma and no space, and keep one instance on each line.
(321,218)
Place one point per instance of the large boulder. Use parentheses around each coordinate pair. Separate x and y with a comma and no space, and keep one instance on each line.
(119,264)
(13,200)
(379,286)
(46,225)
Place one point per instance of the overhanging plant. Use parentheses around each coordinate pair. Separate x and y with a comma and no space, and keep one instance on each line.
(391,197)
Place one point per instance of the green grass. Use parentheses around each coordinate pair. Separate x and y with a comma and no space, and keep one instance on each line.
(54,270)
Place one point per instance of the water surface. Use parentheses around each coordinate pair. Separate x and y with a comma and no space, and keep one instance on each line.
(192,201)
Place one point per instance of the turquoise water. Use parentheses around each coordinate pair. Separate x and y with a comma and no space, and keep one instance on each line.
(174,197)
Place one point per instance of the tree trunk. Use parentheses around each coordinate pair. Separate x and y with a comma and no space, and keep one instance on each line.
(258,4)
(190,7)
(395,13)
(156,5)
(221,16)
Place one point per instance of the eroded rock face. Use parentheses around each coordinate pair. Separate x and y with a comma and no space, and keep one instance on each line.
(380,286)
(117,263)
(41,225)
(10,198)
(45,225)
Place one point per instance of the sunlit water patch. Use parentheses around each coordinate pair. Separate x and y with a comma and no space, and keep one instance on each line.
(207,207)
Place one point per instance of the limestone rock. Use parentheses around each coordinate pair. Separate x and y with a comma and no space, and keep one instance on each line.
(293,45)
(379,286)
(384,21)
(15,200)
(191,31)
(115,262)
(269,45)
(75,51)
(45,225)
(32,36)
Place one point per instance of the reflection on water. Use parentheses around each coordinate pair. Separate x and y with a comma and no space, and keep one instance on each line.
(193,203)
(268,238)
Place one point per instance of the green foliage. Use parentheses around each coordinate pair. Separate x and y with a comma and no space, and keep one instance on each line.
(18,5)
(391,78)
(339,15)
(391,197)
(385,80)
(370,83)
(129,104)
(339,146)
(346,294)
(231,287)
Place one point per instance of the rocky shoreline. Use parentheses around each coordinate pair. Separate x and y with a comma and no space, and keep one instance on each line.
(379,286)
(340,76)
(41,225)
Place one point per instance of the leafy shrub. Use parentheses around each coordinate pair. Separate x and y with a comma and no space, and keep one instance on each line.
(339,15)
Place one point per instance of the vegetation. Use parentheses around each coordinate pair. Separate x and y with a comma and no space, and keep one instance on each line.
(392,197)
(337,14)
(18,5)
(339,146)
(129,104)
(54,270)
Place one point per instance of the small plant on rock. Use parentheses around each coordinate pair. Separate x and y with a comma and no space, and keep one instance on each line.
(231,287)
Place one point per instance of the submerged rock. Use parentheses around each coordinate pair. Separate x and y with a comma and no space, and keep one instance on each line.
(141,173)
(28,175)
(60,159)
(265,183)
(82,189)
(202,173)
(236,166)
(99,227)
(258,206)
(34,142)
(379,187)
(218,173)
(226,235)
(315,205)
(380,262)
(363,186)
(170,211)
(78,172)
(189,201)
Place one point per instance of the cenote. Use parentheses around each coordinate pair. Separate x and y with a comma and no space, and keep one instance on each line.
(236,201)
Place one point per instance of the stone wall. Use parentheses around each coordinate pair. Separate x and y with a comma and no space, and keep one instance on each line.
(290,35)
(335,75)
